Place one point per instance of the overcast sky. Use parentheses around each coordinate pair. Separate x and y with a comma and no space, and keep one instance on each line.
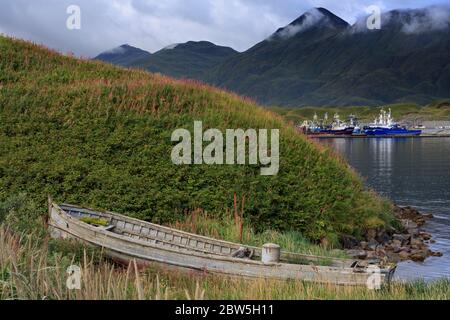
(153,24)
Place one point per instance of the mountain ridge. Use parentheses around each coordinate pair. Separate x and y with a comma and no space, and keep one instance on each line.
(343,67)
(180,60)
(124,55)
(319,59)
(312,18)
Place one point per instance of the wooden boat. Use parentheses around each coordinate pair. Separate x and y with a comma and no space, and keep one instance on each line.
(125,239)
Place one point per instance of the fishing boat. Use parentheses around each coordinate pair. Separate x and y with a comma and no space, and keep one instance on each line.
(339,127)
(312,127)
(125,239)
(321,128)
(385,126)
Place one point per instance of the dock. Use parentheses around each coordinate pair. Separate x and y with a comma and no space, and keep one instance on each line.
(330,136)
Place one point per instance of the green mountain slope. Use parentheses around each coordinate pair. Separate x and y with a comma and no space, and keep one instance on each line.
(269,72)
(185,60)
(320,60)
(97,135)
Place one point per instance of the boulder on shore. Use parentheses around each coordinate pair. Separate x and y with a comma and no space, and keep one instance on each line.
(408,243)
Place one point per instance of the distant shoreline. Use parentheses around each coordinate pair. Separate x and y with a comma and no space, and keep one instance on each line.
(375,137)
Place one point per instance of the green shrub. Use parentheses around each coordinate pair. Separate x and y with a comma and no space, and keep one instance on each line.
(22,214)
(93,134)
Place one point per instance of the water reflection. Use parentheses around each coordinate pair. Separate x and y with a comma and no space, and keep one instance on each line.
(410,172)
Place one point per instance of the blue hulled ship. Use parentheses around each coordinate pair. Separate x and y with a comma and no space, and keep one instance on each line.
(385,126)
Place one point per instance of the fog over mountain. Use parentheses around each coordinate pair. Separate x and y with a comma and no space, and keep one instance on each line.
(431,18)
(320,59)
(124,56)
(329,62)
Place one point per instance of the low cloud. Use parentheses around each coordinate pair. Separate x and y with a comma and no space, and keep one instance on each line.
(312,17)
(117,50)
(171,46)
(422,20)
(429,19)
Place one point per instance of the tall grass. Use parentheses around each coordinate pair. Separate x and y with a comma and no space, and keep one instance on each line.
(234,227)
(29,270)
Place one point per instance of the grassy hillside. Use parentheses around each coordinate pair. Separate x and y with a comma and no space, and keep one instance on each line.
(97,135)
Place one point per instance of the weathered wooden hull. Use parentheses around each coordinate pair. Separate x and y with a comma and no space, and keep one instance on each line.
(148,243)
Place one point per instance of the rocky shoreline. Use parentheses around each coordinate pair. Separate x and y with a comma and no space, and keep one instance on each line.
(406,242)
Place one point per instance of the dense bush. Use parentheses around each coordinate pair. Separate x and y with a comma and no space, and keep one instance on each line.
(22,214)
(92,134)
